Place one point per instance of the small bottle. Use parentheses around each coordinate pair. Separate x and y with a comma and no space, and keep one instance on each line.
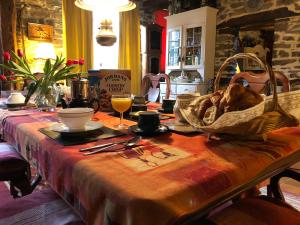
(170,8)
(196,60)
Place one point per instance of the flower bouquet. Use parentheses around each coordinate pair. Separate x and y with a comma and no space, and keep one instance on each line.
(8,78)
(42,84)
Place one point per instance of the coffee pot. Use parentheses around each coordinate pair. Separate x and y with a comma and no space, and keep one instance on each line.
(82,95)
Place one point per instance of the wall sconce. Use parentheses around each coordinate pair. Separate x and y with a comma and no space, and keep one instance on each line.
(106,36)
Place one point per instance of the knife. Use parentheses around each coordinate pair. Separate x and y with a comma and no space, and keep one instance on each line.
(103,145)
(101,150)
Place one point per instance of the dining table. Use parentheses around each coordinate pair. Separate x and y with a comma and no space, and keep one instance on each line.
(170,178)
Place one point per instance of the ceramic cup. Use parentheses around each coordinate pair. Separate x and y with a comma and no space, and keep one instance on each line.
(168,105)
(139,100)
(16,98)
(75,118)
(148,122)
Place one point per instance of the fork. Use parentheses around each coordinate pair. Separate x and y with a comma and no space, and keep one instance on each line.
(128,143)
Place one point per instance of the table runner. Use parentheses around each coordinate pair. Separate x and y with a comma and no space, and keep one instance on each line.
(169,176)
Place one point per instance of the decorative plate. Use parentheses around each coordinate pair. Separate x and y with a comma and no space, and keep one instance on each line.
(14,105)
(91,128)
(161,130)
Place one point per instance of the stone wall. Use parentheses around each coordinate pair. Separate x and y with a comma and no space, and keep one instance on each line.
(43,12)
(146,16)
(224,48)
(286,52)
(229,9)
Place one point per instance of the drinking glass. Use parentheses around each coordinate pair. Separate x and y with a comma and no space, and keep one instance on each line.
(121,103)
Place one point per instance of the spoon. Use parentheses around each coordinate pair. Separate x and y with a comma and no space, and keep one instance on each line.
(129,143)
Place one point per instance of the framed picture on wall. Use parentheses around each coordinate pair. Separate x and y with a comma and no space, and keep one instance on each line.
(40,32)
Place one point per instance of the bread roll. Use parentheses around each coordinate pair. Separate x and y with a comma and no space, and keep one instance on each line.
(237,97)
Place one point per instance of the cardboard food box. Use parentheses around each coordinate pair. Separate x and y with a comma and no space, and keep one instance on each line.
(110,82)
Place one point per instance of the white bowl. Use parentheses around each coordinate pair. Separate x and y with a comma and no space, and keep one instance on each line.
(75,118)
(16,98)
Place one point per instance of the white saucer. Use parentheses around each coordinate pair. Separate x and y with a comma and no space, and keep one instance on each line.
(9,104)
(61,128)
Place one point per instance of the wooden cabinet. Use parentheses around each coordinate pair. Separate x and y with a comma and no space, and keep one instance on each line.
(153,48)
(191,41)
(180,88)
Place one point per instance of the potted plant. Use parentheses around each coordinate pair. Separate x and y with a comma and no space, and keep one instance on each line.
(43,84)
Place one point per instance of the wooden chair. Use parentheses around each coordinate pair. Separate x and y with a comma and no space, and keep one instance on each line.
(41,207)
(261,210)
(260,82)
(15,169)
(151,80)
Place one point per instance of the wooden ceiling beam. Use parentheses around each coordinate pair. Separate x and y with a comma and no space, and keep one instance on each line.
(257,19)
(151,5)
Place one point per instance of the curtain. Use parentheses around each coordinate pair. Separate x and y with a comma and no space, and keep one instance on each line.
(129,47)
(78,33)
(1,45)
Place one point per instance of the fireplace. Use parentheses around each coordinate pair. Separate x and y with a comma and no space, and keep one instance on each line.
(274,26)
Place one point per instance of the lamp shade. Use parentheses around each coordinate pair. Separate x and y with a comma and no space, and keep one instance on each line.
(44,51)
(120,5)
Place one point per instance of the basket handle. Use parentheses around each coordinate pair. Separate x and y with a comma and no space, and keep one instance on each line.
(266,67)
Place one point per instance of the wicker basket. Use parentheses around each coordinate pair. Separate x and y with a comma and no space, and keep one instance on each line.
(252,123)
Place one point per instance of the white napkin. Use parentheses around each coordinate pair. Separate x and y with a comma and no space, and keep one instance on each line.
(153,94)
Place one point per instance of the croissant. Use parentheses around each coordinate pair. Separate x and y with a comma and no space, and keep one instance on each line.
(237,98)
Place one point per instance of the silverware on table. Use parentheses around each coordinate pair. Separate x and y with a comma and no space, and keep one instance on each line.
(103,145)
(127,143)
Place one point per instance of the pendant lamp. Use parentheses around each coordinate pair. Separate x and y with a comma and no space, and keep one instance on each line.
(106,36)
(96,5)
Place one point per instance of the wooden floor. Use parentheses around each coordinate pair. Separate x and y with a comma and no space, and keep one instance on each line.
(292,189)
(291,185)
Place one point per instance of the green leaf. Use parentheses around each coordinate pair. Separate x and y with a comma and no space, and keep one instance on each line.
(20,61)
(68,76)
(20,72)
(18,67)
(47,67)
(31,89)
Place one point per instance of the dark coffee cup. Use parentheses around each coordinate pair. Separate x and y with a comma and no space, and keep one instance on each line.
(139,100)
(148,121)
(168,105)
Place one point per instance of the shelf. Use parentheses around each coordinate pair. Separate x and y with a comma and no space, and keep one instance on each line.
(193,46)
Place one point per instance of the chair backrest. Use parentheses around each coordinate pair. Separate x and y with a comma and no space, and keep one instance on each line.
(154,81)
(258,82)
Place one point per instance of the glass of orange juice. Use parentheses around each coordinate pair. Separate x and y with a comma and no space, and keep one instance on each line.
(121,103)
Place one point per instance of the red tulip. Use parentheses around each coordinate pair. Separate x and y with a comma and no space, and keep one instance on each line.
(3,77)
(6,56)
(69,62)
(20,53)
(12,78)
(81,62)
(75,62)
(11,73)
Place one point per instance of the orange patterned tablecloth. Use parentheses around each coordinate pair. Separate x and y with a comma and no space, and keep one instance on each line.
(169,176)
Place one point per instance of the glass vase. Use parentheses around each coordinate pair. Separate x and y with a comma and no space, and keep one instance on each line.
(47,97)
